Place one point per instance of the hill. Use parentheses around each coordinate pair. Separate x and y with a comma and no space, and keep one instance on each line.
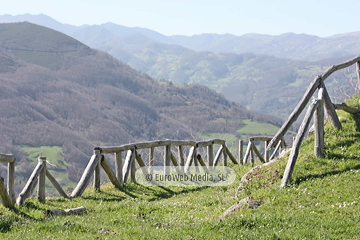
(56,91)
(322,202)
(261,72)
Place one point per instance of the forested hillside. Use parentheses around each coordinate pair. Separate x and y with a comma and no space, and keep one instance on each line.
(56,91)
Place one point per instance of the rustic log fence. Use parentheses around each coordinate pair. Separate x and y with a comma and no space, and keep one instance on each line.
(38,178)
(315,109)
(125,168)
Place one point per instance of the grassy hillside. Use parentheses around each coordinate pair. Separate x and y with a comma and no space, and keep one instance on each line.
(322,202)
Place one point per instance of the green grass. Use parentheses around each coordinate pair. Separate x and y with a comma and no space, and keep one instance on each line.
(258,128)
(321,202)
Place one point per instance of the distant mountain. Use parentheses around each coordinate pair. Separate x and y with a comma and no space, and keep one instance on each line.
(56,91)
(287,45)
(269,79)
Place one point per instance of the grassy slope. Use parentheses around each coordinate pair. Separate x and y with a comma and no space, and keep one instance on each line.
(321,203)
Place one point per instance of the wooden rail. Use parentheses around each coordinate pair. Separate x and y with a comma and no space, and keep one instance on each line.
(126,167)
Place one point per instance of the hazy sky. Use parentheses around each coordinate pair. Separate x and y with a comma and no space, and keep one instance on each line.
(189,17)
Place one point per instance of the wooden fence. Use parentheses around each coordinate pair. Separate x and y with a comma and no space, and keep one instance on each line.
(126,167)
(315,109)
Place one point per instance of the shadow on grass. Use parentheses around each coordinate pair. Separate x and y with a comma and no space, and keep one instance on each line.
(106,197)
(318,176)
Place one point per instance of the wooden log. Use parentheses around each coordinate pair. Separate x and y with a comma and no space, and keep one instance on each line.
(260,139)
(225,156)
(266,151)
(167,153)
(107,169)
(88,172)
(252,158)
(297,111)
(11,182)
(190,159)
(330,109)
(258,153)
(127,164)
(177,168)
(247,153)
(96,183)
(62,212)
(241,152)
(133,168)
(56,184)
(276,149)
(232,158)
(30,185)
(210,142)
(151,159)
(210,155)
(296,145)
(141,164)
(358,74)
(5,198)
(202,163)
(181,157)
(41,180)
(196,164)
(8,158)
(218,155)
(346,108)
(163,143)
(319,127)
(119,166)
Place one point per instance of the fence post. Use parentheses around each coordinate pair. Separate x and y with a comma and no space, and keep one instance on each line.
(241,152)
(41,180)
(296,144)
(167,155)
(96,183)
(319,130)
(210,156)
(10,181)
(118,167)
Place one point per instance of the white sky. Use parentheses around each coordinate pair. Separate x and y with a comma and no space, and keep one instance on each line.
(189,17)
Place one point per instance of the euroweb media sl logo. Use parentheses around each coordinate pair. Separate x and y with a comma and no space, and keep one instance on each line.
(191,176)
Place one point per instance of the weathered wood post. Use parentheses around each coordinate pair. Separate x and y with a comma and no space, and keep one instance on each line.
(41,180)
(119,166)
(167,156)
(10,159)
(218,155)
(210,156)
(266,151)
(127,164)
(319,125)
(133,168)
(151,159)
(96,183)
(247,153)
(112,177)
(232,158)
(190,159)
(181,157)
(4,196)
(88,172)
(30,185)
(296,145)
(224,155)
(241,152)
(56,184)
